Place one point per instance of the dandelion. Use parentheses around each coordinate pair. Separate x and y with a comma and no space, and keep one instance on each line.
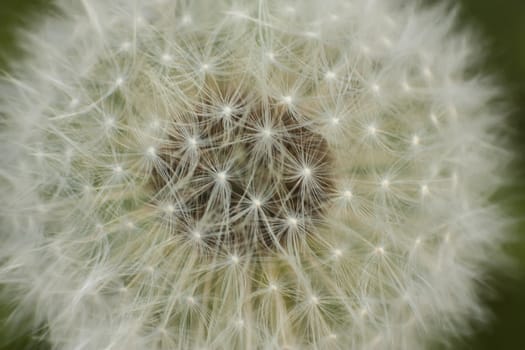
(248,175)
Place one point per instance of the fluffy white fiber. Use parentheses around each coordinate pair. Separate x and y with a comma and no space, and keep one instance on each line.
(248,175)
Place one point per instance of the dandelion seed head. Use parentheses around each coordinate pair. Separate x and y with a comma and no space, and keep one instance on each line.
(424,190)
(292,221)
(119,81)
(226,111)
(151,151)
(271,56)
(222,176)
(192,141)
(126,45)
(288,99)
(306,172)
(248,175)
(273,287)
(166,58)
(109,122)
(379,250)
(257,203)
(337,253)
(187,19)
(330,75)
(74,102)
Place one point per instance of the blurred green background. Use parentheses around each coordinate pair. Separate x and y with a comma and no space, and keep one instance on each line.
(503,24)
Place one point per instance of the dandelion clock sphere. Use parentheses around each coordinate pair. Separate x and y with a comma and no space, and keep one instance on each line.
(248,175)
